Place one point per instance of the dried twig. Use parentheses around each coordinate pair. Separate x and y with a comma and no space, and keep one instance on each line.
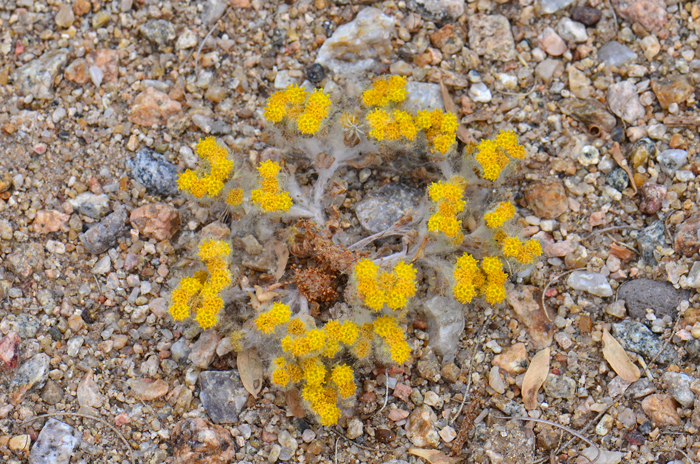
(85,416)
(386,395)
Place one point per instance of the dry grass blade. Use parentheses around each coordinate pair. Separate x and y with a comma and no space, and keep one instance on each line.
(534,378)
(432,456)
(615,355)
(250,368)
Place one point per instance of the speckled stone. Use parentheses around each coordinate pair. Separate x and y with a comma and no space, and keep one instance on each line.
(635,336)
(223,395)
(649,239)
(385,205)
(104,235)
(158,175)
(54,445)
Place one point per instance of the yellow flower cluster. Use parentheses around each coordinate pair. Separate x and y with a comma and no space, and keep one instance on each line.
(448,199)
(494,155)
(505,211)
(201,292)
(299,106)
(270,197)
(469,280)
(323,402)
(277,315)
(440,128)
(387,328)
(234,197)
(215,172)
(384,91)
(391,126)
(378,288)
(344,378)
(325,341)
(363,347)
(524,253)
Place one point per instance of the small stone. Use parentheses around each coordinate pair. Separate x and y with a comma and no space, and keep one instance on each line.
(158,221)
(103,236)
(204,349)
(531,314)
(47,222)
(385,205)
(686,241)
(103,266)
(274,453)
(672,160)
(448,434)
(100,19)
(445,320)
(650,46)
(635,336)
(547,199)
(651,14)
(9,351)
(204,123)
(159,31)
(560,386)
(308,436)
(617,387)
(586,15)
(617,179)
(356,47)
(287,441)
(615,54)
(589,156)
(54,445)
(624,101)
(641,294)
(490,36)
(513,360)
(401,68)
(449,39)
(563,340)
(81,7)
(384,435)
(672,89)
(187,40)
(439,10)
(496,381)
(88,393)
(604,426)
(571,31)
(617,309)
(591,282)
(549,69)
(551,42)
(579,83)
(65,16)
(154,172)
(480,93)
(661,409)
(38,77)
(315,73)
(33,372)
(398,415)
(51,393)
(223,395)
(148,391)
(106,61)
(402,391)
(650,239)
(653,196)
(355,429)
(678,386)
(89,204)
(153,107)
(552,6)
(420,428)
(196,440)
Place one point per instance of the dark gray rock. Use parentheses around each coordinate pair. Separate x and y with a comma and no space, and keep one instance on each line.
(636,337)
(159,31)
(104,235)
(640,294)
(385,205)
(158,175)
(618,179)
(650,238)
(223,395)
(54,445)
(692,346)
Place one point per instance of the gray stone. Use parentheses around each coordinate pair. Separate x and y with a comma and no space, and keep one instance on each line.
(591,282)
(24,324)
(624,101)
(572,31)
(359,46)
(552,6)
(678,386)
(641,388)
(54,445)
(615,54)
(438,10)
(38,76)
(649,239)
(158,31)
(26,259)
(662,297)
(104,235)
(92,205)
(180,351)
(158,175)
(617,179)
(102,266)
(33,373)
(355,428)
(560,386)
(490,36)
(692,347)
(213,10)
(480,93)
(635,336)
(445,318)
(223,395)
(422,95)
(52,393)
(385,205)
(549,69)
(672,160)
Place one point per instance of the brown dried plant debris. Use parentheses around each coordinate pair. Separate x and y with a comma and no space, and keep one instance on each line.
(315,284)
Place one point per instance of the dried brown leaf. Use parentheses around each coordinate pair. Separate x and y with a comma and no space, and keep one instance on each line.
(250,368)
(622,162)
(534,378)
(282,253)
(433,456)
(462,132)
(615,355)
(295,403)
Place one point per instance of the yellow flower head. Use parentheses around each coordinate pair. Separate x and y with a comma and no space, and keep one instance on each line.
(348,333)
(316,338)
(362,349)
(296,327)
(505,211)
(511,247)
(234,197)
(280,377)
(269,169)
(314,371)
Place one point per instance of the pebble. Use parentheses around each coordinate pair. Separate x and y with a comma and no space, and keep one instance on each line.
(672,160)
(617,387)
(445,318)
(480,93)
(420,95)
(52,393)
(624,101)
(286,440)
(601,456)
(196,440)
(496,381)
(65,16)
(398,414)
(551,43)
(447,434)
(560,386)
(686,240)
(641,388)
(33,372)
(153,107)
(571,31)
(591,282)
(54,445)
(618,179)
(615,54)
(104,235)
(89,204)
(604,426)
(549,69)
(617,308)
(640,294)
(441,10)
(651,238)
(154,172)
(81,7)
(420,428)
(148,391)
(513,360)
(9,351)
(586,15)
(547,199)
(308,436)
(589,156)
(204,349)
(223,395)
(158,31)
(37,77)
(103,266)
(672,89)
(635,336)
(678,386)
(356,47)
(47,222)
(88,393)
(385,205)
(529,312)
(661,410)
(563,340)
(275,452)
(26,259)
(355,429)
(158,221)
(650,46)
(552,6)
(490,36)
(651,14)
